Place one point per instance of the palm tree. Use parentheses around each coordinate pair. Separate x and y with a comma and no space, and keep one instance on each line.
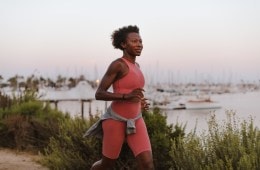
(1,78)
(50,83)
(82,78)
(15,81)
(72,82)
(42,81)
(32,82)
(60,81)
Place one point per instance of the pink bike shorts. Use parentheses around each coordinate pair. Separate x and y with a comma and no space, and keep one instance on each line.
(114,135)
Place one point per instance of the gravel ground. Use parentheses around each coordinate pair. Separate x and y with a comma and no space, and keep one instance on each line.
(14,160)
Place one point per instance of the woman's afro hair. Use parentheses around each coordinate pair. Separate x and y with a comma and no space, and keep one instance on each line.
(120,35)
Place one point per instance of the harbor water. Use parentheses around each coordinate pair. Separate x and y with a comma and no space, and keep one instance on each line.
(244,105)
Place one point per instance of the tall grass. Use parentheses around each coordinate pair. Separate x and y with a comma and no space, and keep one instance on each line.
(27,124)
(228,145)
(69,150)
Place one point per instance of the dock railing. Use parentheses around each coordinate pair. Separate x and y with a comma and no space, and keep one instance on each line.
(82,101)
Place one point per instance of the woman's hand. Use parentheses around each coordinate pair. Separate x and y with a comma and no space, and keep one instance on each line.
(135,96)
(144,105)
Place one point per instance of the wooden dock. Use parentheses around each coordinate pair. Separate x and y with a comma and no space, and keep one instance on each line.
(82,101)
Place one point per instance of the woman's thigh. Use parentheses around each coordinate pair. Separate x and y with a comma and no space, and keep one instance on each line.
(139,142)
(113,137)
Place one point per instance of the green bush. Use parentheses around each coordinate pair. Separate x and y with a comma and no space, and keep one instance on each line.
(28,124)
(69,150)
(162,137)
(230,145)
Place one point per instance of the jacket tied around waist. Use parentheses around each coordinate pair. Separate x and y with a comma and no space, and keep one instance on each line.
(96,128)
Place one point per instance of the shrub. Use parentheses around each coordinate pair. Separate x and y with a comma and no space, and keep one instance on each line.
(162,137)
(231,145)
(69,150)
(5,101)
(28,124)
(32,125)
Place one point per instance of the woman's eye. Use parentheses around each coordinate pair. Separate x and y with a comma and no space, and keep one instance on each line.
(136,41)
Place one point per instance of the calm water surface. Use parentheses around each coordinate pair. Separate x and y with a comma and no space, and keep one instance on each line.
(243,104)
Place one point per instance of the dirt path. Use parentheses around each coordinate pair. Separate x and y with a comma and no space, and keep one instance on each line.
(12,160)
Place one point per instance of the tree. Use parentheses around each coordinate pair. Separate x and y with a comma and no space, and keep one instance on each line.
(14,81)
(60,81)
(72,82)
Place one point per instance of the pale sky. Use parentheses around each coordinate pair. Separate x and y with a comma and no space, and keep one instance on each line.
(184,40)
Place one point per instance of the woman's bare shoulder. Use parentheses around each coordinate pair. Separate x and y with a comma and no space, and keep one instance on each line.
(117,63)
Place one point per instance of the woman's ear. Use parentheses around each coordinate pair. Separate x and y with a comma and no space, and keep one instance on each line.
(123,45)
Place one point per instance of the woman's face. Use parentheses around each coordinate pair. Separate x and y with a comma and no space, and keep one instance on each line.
(133,44)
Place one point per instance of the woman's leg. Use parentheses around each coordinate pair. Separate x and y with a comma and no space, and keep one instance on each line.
(104,164)
(145,161)
(141,146)
(113,138)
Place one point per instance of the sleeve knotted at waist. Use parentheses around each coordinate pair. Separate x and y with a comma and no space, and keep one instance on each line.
(130,123)
(96,129)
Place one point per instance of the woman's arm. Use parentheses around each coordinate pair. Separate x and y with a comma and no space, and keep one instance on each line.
(111,75)
(115,71)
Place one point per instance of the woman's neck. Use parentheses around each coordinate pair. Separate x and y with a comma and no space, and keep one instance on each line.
(129,58)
